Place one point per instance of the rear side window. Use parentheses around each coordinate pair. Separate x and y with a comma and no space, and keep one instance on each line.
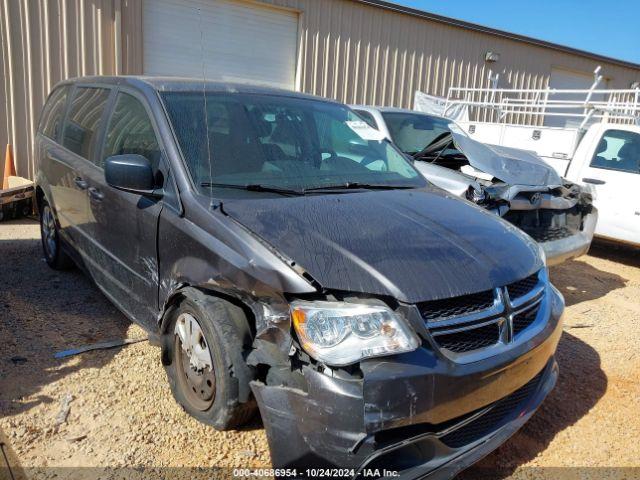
(83,122)
(618,150)
(130,131)
(53,113)
(367,117)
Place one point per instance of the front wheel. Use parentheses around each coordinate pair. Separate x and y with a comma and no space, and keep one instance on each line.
(206,369)
(55,256)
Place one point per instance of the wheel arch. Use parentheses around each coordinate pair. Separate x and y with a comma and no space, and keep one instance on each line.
(194,292)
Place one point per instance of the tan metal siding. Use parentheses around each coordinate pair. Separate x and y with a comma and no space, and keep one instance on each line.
(43,42)
(358,53)
(347,50)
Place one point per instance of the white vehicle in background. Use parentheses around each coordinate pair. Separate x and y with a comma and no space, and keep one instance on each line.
(590,137)
(515,184)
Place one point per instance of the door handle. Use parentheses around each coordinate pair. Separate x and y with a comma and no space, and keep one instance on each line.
(95,194)
(595,181)
(82,184)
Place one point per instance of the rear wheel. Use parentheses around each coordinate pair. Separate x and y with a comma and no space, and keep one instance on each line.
(206,339)
(55,256)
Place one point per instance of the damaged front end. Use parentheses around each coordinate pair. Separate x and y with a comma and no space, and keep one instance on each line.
(562,219)
(519,187)
(431,411)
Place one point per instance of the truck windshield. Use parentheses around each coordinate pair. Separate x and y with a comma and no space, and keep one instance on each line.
(271,142)
(413,132)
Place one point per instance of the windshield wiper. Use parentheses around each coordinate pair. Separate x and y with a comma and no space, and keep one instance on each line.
(357,186)
(254,187)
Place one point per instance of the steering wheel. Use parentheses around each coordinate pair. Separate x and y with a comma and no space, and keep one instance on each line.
(317,154)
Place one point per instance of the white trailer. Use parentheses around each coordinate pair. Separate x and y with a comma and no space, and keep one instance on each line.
(598,144)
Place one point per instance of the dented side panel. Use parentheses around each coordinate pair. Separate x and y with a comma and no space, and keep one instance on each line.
(208,250)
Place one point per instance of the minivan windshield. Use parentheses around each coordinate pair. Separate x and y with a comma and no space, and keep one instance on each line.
(272,143)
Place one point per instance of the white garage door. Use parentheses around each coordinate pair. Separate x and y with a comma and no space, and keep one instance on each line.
(229,40)
(569,80)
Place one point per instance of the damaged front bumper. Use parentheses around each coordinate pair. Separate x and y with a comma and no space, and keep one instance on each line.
(576,245)
(419,414)
(561,221)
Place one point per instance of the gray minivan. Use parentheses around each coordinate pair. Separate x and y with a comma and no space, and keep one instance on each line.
(285,258)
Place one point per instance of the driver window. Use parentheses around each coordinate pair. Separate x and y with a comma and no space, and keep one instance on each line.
(130,131)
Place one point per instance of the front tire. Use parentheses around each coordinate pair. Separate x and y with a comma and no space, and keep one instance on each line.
(207,373)
(52,249)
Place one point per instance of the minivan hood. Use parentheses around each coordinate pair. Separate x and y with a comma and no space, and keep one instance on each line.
(414,245)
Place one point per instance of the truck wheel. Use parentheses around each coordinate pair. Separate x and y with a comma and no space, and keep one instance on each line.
(55,256)
(206,369)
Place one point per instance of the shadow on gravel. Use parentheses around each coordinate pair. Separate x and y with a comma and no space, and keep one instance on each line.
(580,385)
(615,252)
(43,312)
(10,468)
(580,282)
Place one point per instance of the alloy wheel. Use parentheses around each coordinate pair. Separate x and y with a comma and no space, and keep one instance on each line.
(49,234)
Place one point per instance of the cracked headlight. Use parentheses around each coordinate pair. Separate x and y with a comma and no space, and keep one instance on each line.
(339,333)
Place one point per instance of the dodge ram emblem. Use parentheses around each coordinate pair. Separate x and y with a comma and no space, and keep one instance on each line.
(535,199)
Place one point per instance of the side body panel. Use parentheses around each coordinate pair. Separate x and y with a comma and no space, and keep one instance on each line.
(616,192)
(123,229)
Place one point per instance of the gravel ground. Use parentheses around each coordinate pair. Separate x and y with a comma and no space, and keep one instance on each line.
(122,412)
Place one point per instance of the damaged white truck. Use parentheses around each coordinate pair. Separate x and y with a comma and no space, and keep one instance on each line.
(512,183)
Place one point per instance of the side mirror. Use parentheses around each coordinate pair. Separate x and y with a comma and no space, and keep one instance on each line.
(130,172)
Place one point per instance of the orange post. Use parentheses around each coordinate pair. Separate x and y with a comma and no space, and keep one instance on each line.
(9,167)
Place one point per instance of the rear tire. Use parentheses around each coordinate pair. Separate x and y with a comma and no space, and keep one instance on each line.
(206,369)
(52,248)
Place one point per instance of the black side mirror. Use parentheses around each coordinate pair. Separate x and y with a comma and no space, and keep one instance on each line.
(131,173)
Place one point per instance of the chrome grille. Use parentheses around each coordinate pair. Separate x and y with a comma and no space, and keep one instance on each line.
(471,325)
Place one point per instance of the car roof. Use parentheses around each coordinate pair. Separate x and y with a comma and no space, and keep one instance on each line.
(189,84)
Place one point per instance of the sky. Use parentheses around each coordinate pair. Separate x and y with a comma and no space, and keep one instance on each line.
(610,28)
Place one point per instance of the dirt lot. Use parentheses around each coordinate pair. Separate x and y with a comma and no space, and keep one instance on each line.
(122,412)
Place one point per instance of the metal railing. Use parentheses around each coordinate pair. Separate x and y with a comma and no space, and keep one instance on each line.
(533,106)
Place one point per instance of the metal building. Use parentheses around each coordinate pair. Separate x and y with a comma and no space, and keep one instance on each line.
(357,51)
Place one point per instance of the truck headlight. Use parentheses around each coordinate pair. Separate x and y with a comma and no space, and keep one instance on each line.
(339,333)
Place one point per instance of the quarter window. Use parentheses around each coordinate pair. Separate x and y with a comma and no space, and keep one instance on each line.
(83,122)
(130,131)
(53,113)
(618,150)
(367,117)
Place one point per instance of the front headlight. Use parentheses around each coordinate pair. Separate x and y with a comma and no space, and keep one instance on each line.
(339,333)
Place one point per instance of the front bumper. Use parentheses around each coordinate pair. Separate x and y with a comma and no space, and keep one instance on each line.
(418,413)
(558,251)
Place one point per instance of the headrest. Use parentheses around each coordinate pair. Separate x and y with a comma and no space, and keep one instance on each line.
(603,146)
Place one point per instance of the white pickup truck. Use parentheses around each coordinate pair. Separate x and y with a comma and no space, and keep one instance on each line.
(598,147)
